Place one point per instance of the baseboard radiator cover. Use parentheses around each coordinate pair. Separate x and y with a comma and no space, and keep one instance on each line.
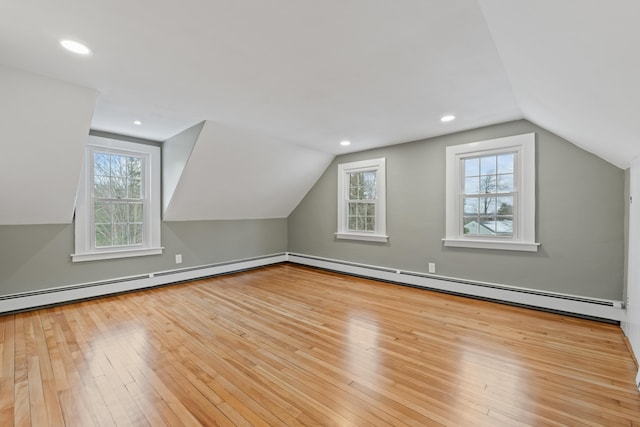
(593,308)
(52,296)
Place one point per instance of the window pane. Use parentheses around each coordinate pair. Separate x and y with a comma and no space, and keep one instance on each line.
(487,226)
(505,206)
(472,167)
(471,206)
(487,184)
(118,187)
(102,213)
(505,183)
(371,209)
(118,165)
(353,179)
(103,235)
(353,208)
(120,213)
(362,185)
(135,234)
(352,223)
(135,187)
(505,163)
(488,165)
(360,223)
(471,226)
(120,234)
(504,226)
(371,224)
(487,205)
(134,167)
(101,164)
(135,212)
(362,209)
(369,193)
(101,186)
(471,185)
(369,179)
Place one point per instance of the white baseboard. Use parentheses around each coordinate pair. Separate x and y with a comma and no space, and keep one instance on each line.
(565,303)
(31,300)
(572,304)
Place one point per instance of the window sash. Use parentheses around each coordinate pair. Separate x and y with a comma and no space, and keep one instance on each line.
(120,232)
(361,207)
(463,228)
(363,220)
(522,194)
(135,231)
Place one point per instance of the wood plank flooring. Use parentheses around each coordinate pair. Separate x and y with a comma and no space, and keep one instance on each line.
(287,345)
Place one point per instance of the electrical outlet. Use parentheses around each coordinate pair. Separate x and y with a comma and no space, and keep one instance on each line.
(432,267)
(178,258)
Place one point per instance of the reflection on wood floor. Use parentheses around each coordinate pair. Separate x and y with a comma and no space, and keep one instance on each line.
(288,345)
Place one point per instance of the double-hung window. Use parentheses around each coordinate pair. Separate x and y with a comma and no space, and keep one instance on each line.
(490,194)
(361,201)
(118,201)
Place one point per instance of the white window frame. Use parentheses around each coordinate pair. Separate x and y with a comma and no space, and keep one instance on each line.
(524,209)
(344,169)
(85,249)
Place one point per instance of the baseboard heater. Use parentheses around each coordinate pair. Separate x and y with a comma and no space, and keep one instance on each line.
(29,300)
(592,308)
(600,309)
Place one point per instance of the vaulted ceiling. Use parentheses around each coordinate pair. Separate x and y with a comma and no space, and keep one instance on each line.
(299,76)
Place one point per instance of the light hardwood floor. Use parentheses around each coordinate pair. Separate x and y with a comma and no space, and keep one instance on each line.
(288,345)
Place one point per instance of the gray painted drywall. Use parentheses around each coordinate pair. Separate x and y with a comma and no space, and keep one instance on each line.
(35,257)
(579,218)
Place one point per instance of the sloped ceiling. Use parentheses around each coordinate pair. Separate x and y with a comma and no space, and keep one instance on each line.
(308,74)
(574,68)
(237,174)
(43,126)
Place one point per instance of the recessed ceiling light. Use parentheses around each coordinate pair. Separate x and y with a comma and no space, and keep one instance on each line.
(345,143)
(75,47)
(447,118)
(137,122)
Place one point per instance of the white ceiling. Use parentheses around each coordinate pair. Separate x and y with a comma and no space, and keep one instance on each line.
(315,72)
(574,67)
(221,181)
(44,125)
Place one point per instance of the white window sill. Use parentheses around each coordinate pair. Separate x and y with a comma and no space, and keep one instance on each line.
(113,254)
(492,244)
(363,236)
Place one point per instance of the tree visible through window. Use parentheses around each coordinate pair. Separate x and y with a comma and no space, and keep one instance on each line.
(118,199)
(362,201)
(489,195)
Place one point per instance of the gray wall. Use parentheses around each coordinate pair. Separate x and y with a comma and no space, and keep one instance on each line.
(34,257)
(579,218)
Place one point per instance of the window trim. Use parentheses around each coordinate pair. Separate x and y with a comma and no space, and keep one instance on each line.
(523,238)
(380,233)
(84,248)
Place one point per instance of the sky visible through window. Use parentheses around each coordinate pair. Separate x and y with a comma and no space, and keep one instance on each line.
(118,199)
(489,195)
